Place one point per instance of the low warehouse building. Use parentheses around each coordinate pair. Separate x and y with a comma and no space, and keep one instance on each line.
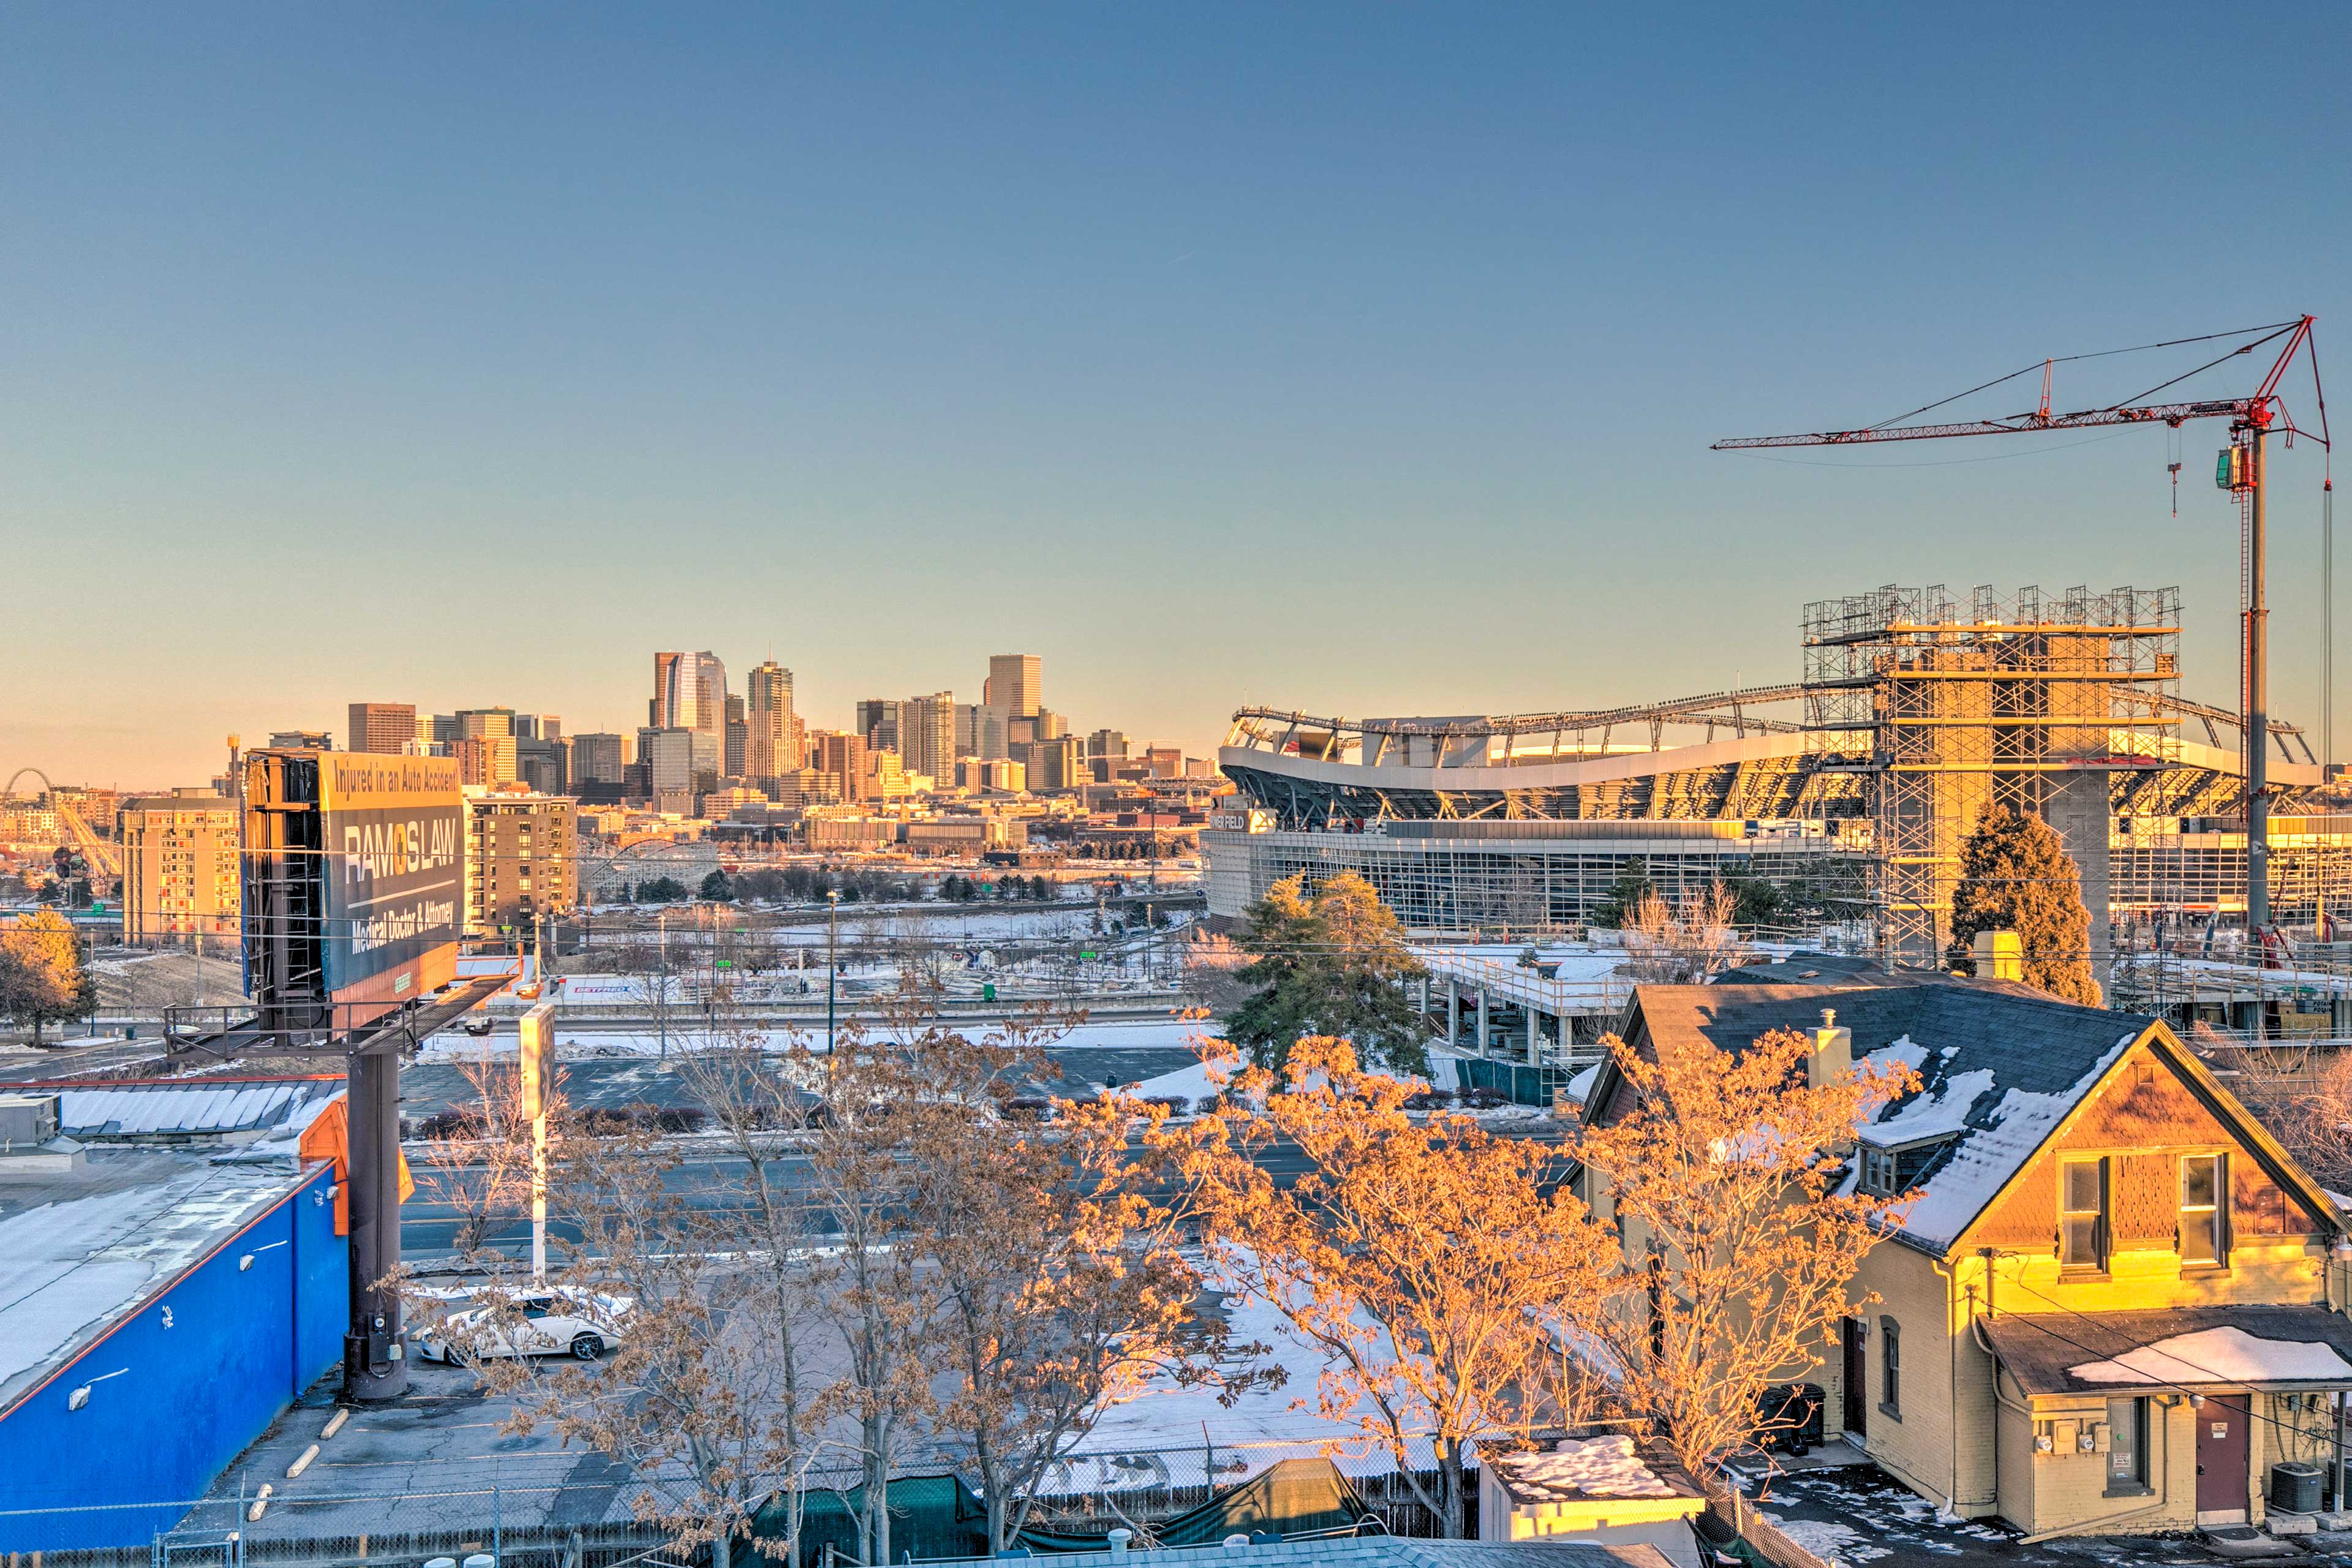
(158,1308)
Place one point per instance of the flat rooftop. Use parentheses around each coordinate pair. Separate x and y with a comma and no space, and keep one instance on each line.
(80,1251)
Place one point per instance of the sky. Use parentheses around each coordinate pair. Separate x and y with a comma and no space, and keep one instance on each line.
(1356,359)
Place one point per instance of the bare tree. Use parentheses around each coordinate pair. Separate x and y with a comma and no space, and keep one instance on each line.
(1683,942)
(759,1111)
(1724,1171)
(1428,1261)
(482,1145)
(686,1392)
(1060,1288)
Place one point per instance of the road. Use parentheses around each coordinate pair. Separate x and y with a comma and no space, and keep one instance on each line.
(714,1182)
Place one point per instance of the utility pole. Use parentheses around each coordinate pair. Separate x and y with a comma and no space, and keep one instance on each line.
(832,958)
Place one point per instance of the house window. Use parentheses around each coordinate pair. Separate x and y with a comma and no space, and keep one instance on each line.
(1890,1367)
(1879,1170)
(2203,1183)
(2083,1213)
(2127,1447)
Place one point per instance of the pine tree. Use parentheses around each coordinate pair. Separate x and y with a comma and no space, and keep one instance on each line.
(2016,876)
(1330,961)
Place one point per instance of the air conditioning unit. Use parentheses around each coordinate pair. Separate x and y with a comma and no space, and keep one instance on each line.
(26,1120)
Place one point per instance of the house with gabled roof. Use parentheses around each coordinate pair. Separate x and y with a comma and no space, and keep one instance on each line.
(2112,1303)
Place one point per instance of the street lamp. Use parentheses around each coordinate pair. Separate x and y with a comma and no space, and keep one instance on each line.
(831,957)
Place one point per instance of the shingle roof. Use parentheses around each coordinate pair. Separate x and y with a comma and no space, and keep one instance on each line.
(1999,1065)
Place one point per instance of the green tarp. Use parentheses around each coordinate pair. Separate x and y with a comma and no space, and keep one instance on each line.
(1296,1497)
(932,1517)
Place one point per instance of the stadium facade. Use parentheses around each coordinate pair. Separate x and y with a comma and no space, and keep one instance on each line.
(1853,788)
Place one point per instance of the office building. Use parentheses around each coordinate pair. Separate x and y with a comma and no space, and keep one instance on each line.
(774,739)
(597,758)
(385,727)
(539,727)
(179,866)
(690,692)
(927,734)
(986,733)
(877,723)
(302,740)
(1014,681)
(840,759)
(679,762)
(737,739)
(1109,743)
(1057,763)
(521,862)
(485,745)
(544,765)
(991,774)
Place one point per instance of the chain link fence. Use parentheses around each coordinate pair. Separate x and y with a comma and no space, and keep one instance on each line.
(593,1526)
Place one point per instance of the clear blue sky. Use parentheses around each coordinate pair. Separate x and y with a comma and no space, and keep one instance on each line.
(1361,358)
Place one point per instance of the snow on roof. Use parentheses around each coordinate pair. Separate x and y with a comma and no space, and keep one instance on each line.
(2000,1067)
(1605,1466)
(79,1253)
(1994,1149)
(1940,1112)
(2221,1355)
(187,1108)
(1579,1087)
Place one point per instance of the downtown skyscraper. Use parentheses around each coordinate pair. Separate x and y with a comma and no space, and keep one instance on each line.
(774,744)
(689,693)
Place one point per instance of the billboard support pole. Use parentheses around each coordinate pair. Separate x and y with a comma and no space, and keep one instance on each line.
(375,1350)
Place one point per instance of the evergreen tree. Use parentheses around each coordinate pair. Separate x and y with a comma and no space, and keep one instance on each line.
(2016,876)
(716,889)
(1329,961)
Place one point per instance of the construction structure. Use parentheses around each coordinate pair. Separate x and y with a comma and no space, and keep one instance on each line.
(1850,790)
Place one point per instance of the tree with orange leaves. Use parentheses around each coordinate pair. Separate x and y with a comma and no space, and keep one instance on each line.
(1726,1174)
(1431,1263)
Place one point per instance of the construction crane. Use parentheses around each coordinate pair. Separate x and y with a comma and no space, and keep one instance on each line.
(2241,470)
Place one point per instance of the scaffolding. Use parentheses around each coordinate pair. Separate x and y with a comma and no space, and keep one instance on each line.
(2027,700)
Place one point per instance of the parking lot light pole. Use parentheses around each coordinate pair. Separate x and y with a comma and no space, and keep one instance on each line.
(832,958)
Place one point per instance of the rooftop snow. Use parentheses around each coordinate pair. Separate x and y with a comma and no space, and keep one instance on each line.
(1605,1466)
(209,1106)
(78,1253)
(2221,1355)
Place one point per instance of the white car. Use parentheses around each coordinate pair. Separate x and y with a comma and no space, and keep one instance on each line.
(559,1322)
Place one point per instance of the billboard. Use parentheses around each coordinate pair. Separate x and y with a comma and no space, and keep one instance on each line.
(392,830)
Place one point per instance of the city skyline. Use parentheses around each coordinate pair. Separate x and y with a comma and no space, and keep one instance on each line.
(1383,387)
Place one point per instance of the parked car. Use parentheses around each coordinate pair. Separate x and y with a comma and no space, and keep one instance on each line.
(563,1321)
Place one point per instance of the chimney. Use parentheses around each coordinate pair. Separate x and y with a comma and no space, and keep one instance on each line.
(1833,1051)
(1999,955)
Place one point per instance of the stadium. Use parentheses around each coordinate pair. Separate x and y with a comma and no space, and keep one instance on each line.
(1851,789)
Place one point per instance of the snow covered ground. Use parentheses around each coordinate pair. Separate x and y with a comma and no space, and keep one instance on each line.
(576,1040)
(1165,1417)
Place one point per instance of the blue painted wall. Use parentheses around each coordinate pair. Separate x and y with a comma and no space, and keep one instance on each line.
(240,1345)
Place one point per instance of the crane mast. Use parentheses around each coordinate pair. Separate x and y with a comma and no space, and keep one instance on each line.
(2241,470)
